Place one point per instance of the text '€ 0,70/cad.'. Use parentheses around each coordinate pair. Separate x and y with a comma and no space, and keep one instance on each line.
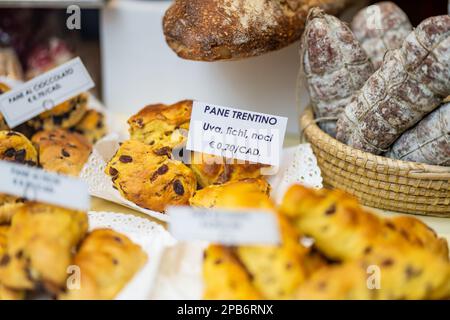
(236,134)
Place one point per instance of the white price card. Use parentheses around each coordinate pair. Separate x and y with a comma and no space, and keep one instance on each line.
(44,92)
(236,133)
(224,226)
(38,185)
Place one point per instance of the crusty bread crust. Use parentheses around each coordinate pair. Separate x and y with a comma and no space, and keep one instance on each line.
(209,30)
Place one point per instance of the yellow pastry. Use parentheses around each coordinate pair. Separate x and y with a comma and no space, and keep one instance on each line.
(107,261)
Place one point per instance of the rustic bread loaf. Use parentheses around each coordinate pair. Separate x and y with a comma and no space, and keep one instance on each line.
(427,142)
(411,82)
(381,27)
(210,30)
(334,64)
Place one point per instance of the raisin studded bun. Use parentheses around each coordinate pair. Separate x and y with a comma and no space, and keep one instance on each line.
(161,125)
(62,151)
(64,115)
(92,126)
(15,147)
(210,169)
(149,177)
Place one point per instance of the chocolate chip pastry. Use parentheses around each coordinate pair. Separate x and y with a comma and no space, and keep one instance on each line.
(62,151)
(149,178)
(15,147)
(92,126)
(64,115)
(39,246)
(413,261)
(107,261)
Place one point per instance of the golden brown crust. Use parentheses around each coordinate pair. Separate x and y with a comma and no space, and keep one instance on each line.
(64,115)
(149,178)
(40,244)
(8,205)
(6,293)
(389,274)
(343,230)
(107,261)
(62,151)
(276,271)
(92,126)
(210,169)
(15,147)
(225,278)
(161,125)
(245,193)
(210,30)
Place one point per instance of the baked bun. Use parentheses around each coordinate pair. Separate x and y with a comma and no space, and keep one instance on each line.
(8,205)
(15,147)
(161,125)
(149,177)
(210,169)
(64,115)
(225,278)
(245,193)
(62,151)
(6,293)
(40,244)
(92,126)
(107,260)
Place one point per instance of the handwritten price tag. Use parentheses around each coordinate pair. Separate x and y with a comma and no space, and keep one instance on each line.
(236,133)
(42,93)
(38,185)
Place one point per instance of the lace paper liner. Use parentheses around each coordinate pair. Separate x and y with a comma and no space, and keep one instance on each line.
(298,165)
(153,239)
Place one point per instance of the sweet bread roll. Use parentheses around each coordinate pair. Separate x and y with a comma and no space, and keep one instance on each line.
(62,151)
(6,293)
(210,30)
(8,205)
(40,244)
(234,194)
(161,125)
(149,177)
(225,278)
(107,261)
(210,169)
(64,115)
(388,274)
(343,230)
(15,147)
(92,126)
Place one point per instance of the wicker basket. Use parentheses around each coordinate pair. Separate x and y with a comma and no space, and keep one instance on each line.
(378,181)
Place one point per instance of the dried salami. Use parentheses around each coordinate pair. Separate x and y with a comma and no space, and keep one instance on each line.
(427,142)
(379,28)
(334,64)
(411,82)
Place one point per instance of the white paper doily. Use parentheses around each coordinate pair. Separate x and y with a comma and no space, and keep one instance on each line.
(153,239)
(298,165)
